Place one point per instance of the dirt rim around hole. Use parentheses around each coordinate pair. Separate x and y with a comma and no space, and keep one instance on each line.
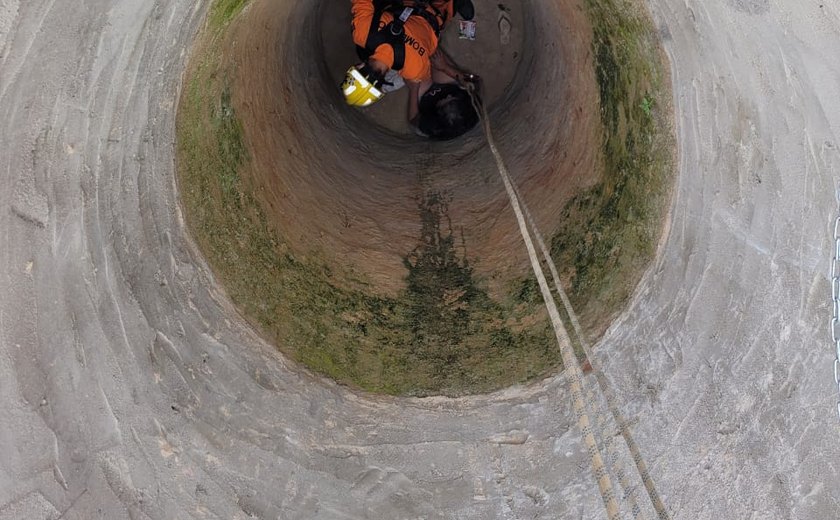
(417,284)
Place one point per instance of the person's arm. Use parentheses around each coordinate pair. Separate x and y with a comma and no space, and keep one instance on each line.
(441,62)
(413,102)
(415,90)
(362,11)
(444,68)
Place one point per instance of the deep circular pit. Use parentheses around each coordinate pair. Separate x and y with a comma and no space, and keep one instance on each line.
(395,264)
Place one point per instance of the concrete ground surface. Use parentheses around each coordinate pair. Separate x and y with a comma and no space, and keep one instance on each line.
(131,389)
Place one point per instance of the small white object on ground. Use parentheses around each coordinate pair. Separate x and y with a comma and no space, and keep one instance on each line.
(466,30)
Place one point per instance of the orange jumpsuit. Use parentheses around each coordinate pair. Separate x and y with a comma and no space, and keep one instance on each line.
(420,40)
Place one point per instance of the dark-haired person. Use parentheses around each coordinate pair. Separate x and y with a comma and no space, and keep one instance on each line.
(445,106)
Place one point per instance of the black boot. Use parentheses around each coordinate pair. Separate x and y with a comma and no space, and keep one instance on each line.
(465,8)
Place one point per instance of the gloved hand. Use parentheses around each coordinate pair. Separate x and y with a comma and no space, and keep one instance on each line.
(392,81)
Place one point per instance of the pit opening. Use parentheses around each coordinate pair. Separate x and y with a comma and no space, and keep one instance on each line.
(395,264)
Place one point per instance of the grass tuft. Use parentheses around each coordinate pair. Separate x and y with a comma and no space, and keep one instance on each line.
(223,12)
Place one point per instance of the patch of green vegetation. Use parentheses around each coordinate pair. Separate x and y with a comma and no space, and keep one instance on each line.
(647,106)
(223,11)
(602,262)
(231,148)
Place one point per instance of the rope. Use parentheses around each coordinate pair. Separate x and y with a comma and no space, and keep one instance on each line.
(603,384)
(607,439)
(569,359)
(563,340)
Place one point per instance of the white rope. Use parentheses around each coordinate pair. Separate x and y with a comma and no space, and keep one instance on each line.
(603,384)
(563,340)
(569,359)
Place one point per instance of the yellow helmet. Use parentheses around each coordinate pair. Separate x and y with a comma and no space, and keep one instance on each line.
(360,87)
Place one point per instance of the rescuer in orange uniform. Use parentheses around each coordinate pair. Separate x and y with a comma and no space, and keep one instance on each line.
(400,36)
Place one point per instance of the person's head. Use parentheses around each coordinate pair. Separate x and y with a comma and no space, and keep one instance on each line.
(363,82)
(451,111)
(450,116)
